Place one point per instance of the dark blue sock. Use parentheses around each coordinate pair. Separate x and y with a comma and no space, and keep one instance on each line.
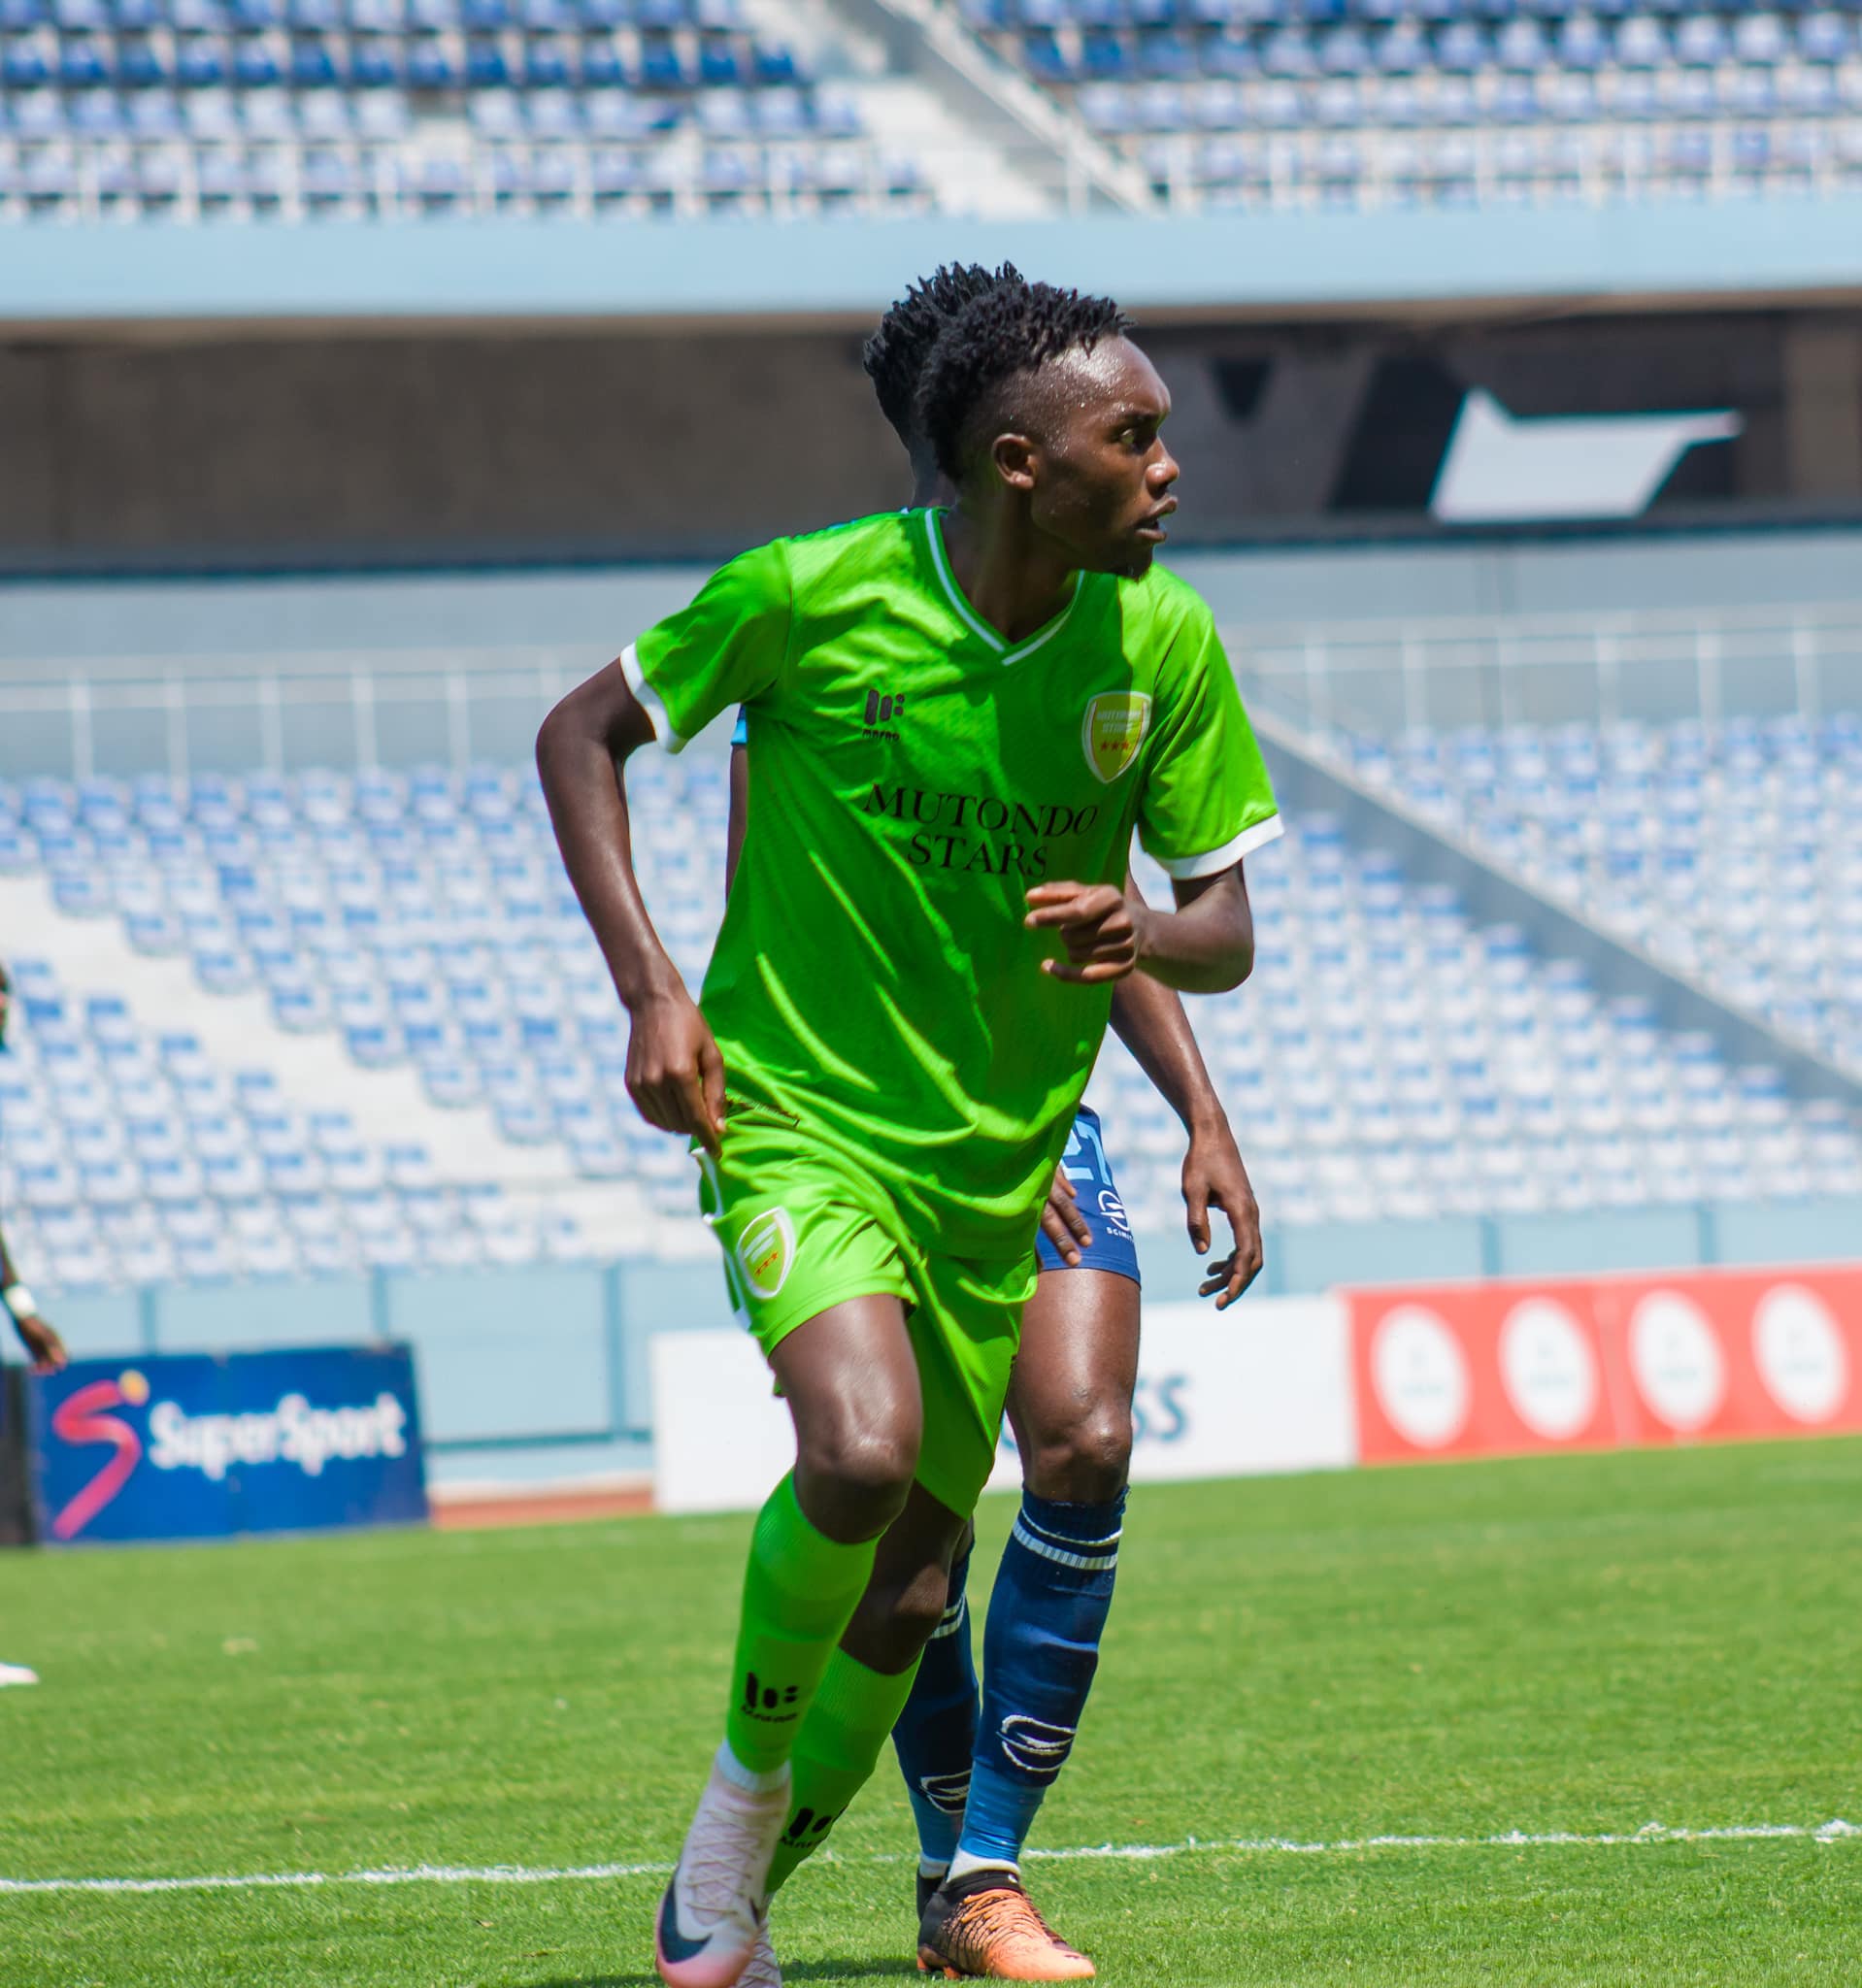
(937,1732)
(1039,1650)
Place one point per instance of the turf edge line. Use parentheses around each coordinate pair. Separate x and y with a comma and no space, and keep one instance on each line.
(1651,1833)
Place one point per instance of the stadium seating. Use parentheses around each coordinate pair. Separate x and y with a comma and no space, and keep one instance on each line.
(1318,102)
(1733,851)
(133,1157)
(349,108)
(331,109)
(1389,1059)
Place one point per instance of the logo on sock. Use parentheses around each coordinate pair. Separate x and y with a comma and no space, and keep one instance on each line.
(947,1794)
(766,1252)
(770,1703)
(806,1827)
(1035,1747)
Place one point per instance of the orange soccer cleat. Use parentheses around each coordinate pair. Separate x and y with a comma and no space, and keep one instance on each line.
(985,1925)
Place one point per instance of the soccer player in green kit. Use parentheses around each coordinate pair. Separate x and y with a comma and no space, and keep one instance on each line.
(979,1759)
(958,719)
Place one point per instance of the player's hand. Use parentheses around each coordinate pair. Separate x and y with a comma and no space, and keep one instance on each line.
(47,1348)
(1063,1222)
(1099,926)
(1214,1177)
(675,1073)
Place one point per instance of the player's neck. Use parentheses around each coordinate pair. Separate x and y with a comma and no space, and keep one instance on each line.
(1008,575)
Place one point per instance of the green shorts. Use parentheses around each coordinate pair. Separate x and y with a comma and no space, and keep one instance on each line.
(802,1229)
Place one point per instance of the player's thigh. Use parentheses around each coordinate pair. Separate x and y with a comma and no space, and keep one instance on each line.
(817,1275)
(965,1327)
(849,1375)
(1070,1399)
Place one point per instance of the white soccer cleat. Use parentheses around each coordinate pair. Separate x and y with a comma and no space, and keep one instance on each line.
(711,1920)
(762,1971)
(16,1673)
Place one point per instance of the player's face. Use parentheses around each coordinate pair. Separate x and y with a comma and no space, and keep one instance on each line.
(1103,480)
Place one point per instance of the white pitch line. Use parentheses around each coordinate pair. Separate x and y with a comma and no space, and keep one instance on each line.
(1651,1833)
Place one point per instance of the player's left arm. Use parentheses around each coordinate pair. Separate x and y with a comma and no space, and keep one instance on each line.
(1205,945)
(1151,1024)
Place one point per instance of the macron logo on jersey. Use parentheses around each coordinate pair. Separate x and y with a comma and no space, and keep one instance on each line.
(879,713)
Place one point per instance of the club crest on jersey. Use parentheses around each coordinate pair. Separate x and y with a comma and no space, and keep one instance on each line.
(1114,729)
(766,1252)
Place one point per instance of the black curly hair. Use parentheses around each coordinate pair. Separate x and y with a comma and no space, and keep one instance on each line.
(993,337)
(894,355)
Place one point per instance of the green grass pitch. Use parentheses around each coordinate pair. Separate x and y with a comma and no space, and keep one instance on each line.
(1570,1645)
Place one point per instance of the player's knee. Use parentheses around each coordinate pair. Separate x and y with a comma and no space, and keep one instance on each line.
(1088,1459)
(863,1473)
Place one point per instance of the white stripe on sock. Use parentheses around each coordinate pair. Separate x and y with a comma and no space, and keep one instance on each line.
(1087,1563)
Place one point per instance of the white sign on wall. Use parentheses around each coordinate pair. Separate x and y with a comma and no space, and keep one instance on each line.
(1263,1387)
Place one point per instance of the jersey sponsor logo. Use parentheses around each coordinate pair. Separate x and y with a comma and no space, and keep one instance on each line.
(1112,730)
(977,832)
(766,1252)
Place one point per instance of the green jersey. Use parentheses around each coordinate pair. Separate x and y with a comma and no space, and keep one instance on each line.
(916,774)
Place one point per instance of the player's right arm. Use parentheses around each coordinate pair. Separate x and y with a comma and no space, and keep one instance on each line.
(729,646)
(675,1075)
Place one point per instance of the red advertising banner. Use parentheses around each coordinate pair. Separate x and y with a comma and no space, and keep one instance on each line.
(1485,1370)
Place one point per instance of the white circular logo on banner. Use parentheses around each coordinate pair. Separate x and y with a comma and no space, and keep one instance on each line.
(1547,1370)
(1420,1375)
(1677,1361)
(1800,1353)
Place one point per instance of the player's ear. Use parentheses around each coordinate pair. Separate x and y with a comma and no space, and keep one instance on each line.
(1015,457)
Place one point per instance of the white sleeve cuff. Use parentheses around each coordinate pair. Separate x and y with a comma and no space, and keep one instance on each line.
(1213,862)
(647,698)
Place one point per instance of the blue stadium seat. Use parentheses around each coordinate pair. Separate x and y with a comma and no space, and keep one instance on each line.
(1642,42)
(1522,47)
(1761,38)
(1582,44)
(1463,49)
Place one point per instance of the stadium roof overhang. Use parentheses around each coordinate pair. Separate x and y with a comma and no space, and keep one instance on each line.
(175,280)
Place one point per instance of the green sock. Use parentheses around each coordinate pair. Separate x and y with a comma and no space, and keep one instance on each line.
(835,1751)
(800,1592)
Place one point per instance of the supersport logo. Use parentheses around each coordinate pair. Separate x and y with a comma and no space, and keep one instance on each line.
(79,1419)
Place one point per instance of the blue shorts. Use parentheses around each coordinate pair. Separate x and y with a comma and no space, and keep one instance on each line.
(1089,1170)
(741,731)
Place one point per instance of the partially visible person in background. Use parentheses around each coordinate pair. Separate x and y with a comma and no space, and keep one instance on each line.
(44,1345)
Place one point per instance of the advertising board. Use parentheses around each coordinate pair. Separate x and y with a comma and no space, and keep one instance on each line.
(1502,1368)
(1262,1388)
(198,1446)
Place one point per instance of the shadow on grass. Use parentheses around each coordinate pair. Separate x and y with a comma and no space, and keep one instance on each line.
(796,1971)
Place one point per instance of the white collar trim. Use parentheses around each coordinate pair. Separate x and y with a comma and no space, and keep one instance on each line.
(975,621)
